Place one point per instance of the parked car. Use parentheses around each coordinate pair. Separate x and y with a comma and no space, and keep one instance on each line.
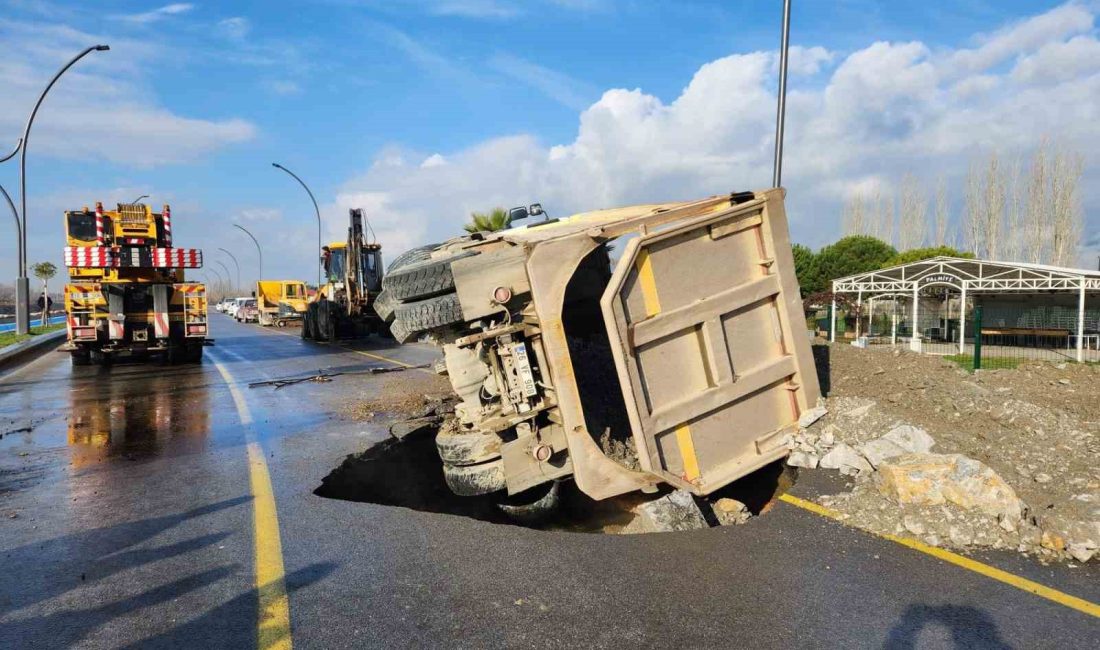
(248,312)
(235,304)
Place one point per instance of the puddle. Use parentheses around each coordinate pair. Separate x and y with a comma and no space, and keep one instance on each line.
(406,473)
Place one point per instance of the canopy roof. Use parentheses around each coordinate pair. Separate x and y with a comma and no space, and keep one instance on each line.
(985,276)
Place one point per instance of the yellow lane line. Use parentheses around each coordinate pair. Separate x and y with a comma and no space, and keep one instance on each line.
(1011,579)
(273,625)
(377,357)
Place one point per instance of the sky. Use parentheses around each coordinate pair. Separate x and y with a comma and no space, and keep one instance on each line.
(421,111)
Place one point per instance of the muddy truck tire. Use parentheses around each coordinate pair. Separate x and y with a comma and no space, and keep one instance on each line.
(423,279)
(466,447)
(413,318)
(384,305)
(474,480)
(412,256)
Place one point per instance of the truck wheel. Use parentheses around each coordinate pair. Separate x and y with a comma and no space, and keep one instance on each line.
(424,279)
(80,358)
(466,447)
(193,354)
(384,305)
(99,358)
(412,256)
(415,317)
(532,505)
(472,480)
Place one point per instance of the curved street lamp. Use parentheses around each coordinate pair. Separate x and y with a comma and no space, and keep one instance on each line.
(235,263)
(22,286)
(258,249)
(315,209)
(143,196)
(14,213)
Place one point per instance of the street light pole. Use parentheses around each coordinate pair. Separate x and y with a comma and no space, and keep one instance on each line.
(258,249)
(315,209)
(235,263)
(781,108)
(22,284)
(14,214)
(143,196)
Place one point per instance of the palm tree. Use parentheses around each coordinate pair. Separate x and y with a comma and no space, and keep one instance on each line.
(44,271)
(496,219)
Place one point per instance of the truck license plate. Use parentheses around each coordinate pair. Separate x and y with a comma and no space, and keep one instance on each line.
(523,368)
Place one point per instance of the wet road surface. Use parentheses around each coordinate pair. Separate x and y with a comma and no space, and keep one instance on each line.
(127,519)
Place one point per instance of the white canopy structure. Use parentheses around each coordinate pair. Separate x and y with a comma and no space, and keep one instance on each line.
(970,277)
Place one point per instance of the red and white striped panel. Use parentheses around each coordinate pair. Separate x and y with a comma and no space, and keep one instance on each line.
(166,219)
(177,258)
(90,257)
(160,324)
(116,329)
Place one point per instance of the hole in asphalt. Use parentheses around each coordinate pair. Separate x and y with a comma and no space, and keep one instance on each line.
(407,473)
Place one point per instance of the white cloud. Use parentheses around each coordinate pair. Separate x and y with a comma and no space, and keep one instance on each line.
(284,87)
(885,109)
(235,28)
(559,87)
(101,108)
(808,60)
(473,8)
(157,14)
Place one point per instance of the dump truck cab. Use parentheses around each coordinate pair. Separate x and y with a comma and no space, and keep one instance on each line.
(625,348)
(280,302)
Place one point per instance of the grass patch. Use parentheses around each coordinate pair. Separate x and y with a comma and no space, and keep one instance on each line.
(8,338)
(966,362)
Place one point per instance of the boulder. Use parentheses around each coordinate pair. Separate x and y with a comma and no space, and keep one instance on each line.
(731,512)
(802,459)
(846,459)
(912,439)
(813,415)
(672,512)
(879,451)
(933,479)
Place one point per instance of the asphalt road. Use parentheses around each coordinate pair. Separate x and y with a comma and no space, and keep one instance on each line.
(127,519)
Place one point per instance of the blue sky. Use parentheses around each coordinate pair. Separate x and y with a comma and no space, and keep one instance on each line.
(195,100)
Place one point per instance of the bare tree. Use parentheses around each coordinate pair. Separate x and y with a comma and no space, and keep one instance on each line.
(1014,242)
(1037,206)
(854,217)
(881,218)
(912,218)
(972,219)
(993,208)
(942,215)
(1065,216)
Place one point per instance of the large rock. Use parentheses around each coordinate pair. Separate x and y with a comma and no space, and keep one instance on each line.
(900,440)
(813,415)
(933,479)
(846,459)
(675,511)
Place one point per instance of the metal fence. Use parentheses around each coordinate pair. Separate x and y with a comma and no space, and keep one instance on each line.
(978,332)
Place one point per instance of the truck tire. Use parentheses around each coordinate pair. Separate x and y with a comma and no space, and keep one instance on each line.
(384,305)
(80,358)
(193,354)
(412,256)
(466,447)
(423,315)
(423,279)
(533,505)
(474,480)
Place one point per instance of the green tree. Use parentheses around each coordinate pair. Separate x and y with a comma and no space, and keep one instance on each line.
(804,269)
(918,254)
(850,255)
(496,219)
(44,271)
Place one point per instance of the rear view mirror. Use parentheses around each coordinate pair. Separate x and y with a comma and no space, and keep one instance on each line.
(515,214)
(535,209)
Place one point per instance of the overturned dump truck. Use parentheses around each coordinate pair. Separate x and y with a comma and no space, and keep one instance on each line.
(625,348)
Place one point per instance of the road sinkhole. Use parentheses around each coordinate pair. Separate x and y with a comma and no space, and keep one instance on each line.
(406,473)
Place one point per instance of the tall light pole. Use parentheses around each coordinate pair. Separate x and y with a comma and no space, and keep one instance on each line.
(22,284)
(781,108)
(235,263)
(258,249)
(315,209)
(143,196)
(14,214)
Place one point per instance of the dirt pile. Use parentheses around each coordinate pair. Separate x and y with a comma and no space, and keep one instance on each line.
(1029,435)
(398,394)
